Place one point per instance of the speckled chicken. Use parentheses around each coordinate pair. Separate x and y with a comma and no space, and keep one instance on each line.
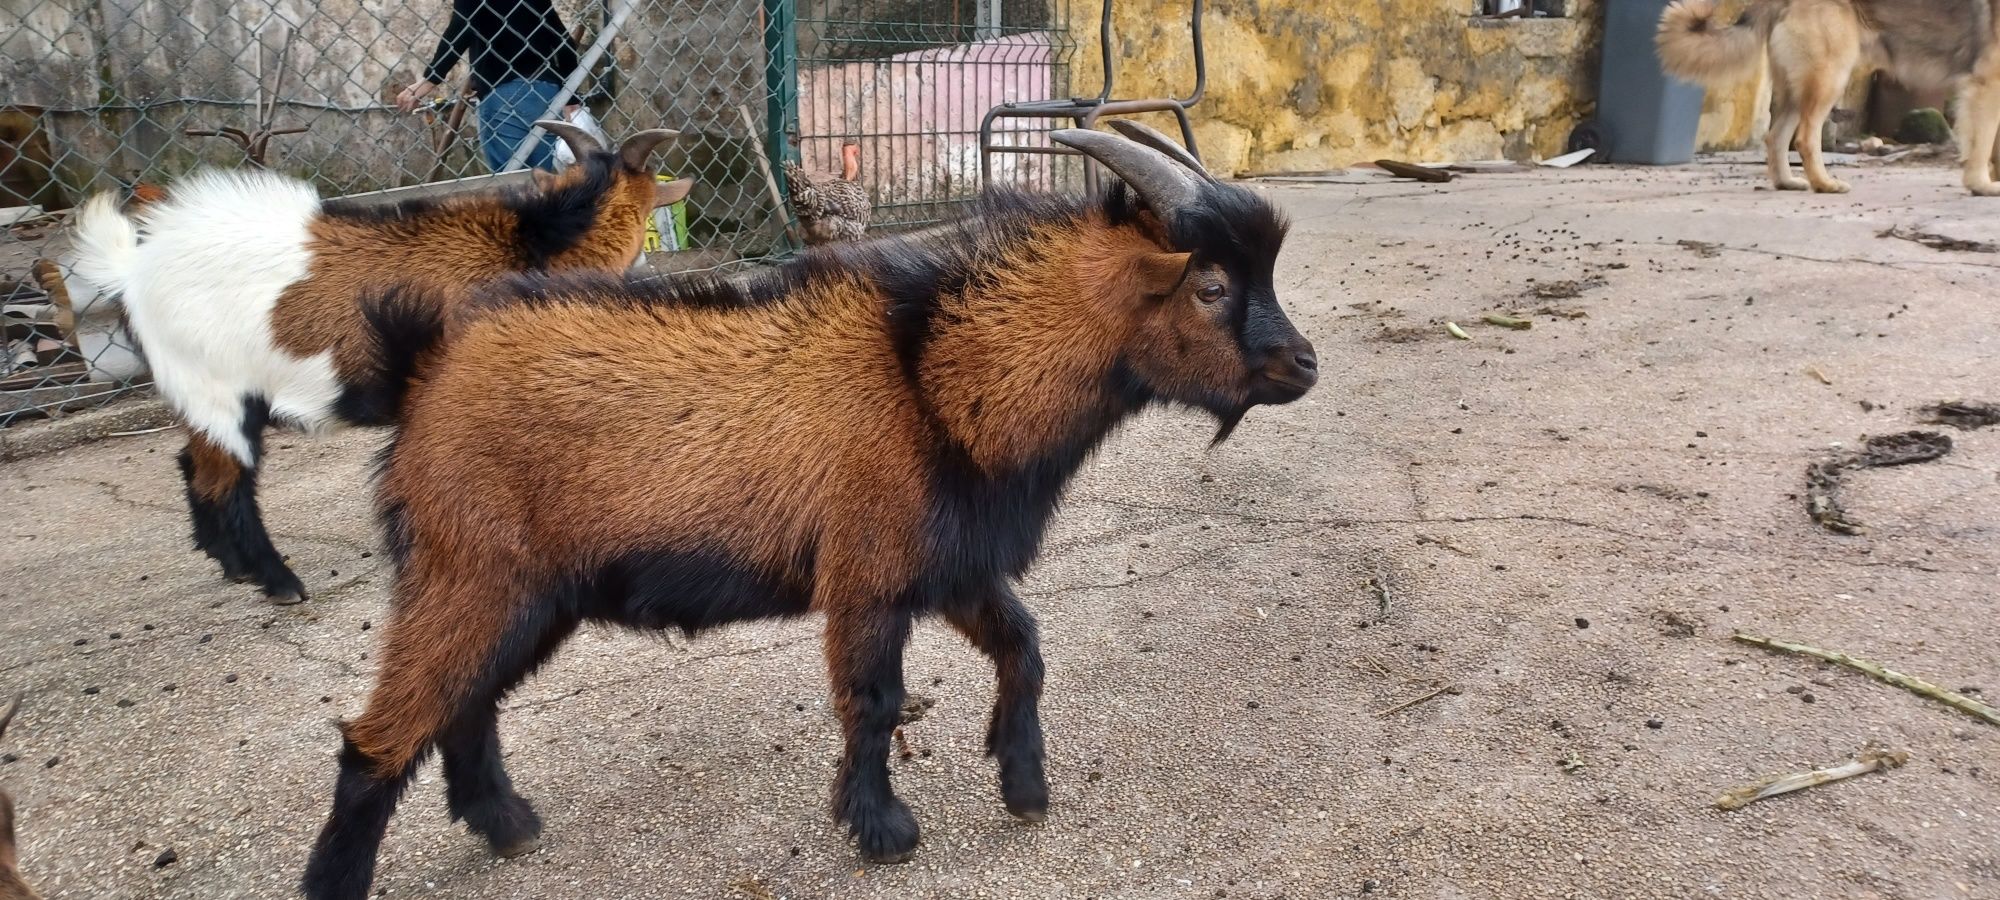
(830,209)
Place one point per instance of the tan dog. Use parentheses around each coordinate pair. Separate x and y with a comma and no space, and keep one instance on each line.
(1815,46)
(11,885)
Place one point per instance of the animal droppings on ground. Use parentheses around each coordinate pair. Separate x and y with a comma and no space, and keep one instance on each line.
(1964,415)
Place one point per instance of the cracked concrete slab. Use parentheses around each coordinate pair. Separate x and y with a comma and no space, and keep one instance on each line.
(1570,520)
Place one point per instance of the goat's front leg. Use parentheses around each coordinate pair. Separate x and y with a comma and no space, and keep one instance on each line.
(1004,630)
(864,657)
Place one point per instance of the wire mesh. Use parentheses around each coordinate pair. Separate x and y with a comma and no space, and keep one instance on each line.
(908,82)
(100,95)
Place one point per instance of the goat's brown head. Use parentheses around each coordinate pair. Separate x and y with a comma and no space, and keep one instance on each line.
(1213,335)
(625,178)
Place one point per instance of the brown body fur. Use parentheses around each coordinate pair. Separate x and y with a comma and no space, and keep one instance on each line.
(11,885)
(1815,46)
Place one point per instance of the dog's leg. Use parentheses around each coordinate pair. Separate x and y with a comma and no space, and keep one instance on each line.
(1778,140)
(1996,157)
(1819,92)
(1978,120)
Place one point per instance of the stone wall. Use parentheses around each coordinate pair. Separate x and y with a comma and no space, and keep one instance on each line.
(1305,84)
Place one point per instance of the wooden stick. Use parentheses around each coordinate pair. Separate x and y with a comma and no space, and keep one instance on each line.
(1409,703)
(778,206)
(1408,170)
(1869,760)
(1518,324)
(1911,683)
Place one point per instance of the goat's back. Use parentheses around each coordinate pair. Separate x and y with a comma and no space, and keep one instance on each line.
(589,430)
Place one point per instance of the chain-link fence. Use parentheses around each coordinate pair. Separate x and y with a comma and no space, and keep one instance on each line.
(119,94)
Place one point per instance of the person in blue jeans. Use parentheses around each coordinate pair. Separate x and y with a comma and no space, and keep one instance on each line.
(518,54)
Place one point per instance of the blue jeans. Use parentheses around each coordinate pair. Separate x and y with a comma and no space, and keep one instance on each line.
(507,113)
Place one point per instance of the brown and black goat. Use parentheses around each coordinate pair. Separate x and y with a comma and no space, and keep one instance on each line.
(876,432)
(247,293)
(11,885)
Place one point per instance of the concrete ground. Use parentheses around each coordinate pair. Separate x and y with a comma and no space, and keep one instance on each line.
(1570,521)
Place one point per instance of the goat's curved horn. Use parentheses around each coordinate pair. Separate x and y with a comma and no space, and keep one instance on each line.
(1154,138)
(638,148)
(580,142)
(1160,181)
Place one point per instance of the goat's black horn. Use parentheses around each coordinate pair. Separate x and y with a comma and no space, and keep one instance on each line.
(638,148)
(1160,181)
(580,142)
(1154,138)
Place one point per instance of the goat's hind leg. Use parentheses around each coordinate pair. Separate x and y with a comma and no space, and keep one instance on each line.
(436,688)
(342,866)
(222,500)
(210,475)
(477,788)
(1004,630)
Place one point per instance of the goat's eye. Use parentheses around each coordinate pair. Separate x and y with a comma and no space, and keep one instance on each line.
(1210,293)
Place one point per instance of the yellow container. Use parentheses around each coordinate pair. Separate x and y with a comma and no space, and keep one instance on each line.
(667,227)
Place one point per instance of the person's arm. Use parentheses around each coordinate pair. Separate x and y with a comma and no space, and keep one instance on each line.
(451,45)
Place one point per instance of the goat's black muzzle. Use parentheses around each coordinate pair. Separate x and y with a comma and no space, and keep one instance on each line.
(1283,364)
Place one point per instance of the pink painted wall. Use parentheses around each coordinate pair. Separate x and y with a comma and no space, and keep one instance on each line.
(921,113)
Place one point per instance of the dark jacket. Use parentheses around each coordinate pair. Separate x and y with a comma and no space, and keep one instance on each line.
(504,40)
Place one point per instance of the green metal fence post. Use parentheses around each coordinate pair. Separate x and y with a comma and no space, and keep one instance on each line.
(781,88)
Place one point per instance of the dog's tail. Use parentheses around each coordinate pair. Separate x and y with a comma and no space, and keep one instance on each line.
(1695,47)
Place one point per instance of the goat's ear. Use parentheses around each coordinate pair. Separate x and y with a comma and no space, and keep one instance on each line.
(1160,274)
(671,192)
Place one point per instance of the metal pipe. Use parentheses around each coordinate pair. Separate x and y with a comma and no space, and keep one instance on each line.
(597,49)
(1200,63)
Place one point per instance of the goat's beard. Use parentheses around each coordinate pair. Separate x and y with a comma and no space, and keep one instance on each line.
(1226,422)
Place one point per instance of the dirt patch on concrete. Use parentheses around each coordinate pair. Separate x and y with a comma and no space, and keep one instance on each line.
(1824,478)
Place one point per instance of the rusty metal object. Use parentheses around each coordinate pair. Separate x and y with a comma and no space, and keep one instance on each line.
(256,142)
(1085,111)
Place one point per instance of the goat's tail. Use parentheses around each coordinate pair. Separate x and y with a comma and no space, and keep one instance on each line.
(406,326)
(105,244)
(1695,47)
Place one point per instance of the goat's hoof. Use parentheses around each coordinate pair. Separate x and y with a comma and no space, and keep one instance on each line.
(891,858)
(889,835)
(283,588)
(1028,804)
(519,847)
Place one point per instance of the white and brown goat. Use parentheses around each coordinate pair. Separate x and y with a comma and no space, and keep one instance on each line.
(249,297)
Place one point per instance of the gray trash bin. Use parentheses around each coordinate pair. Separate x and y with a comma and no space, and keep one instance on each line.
(1644,115)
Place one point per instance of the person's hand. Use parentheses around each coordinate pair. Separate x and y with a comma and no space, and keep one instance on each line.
(414,94)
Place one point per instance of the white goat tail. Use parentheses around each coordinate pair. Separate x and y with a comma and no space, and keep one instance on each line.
(105,244)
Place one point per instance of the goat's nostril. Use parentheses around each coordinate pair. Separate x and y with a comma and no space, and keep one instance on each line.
(1307,360)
